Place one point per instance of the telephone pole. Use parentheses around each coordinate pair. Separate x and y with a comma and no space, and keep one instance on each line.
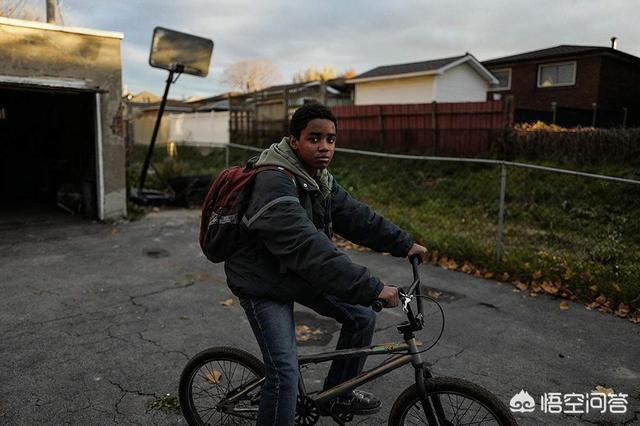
(51,11)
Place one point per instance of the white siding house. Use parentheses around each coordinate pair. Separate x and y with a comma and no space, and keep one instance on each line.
(457,79)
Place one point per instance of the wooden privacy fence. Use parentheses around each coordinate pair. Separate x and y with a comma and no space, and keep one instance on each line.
(451,129)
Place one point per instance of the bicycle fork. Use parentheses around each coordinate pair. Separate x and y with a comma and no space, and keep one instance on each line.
(432,407)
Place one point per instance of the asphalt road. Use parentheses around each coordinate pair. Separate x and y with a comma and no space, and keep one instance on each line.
(97,321)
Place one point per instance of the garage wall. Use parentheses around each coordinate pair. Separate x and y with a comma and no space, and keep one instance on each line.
(47,55)
(461,84)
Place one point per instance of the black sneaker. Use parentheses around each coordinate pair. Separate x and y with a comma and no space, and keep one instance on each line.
(356,402)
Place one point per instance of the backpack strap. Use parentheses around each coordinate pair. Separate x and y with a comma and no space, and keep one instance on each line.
(282,169)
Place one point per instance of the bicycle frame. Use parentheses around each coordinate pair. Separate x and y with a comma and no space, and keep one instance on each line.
(410,355)
(407,352)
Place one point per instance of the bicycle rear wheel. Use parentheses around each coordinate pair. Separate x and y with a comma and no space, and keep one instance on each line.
(453,402)
(214,376)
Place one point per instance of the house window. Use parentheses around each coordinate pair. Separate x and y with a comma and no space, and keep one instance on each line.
(504,79)
(560,74)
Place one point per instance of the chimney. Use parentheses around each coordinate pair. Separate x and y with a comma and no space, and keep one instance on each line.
(614,43)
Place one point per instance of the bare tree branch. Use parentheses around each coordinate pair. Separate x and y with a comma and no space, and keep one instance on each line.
(250,76)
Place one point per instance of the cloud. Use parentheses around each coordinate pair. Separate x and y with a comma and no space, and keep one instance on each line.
(352,34)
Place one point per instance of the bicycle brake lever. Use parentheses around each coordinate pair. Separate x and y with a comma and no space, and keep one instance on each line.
(405,302)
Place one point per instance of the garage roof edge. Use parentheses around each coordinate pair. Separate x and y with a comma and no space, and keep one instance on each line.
(61,28)
(50,82)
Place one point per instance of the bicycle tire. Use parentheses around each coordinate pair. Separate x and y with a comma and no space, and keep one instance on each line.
(407,409)
(207,379)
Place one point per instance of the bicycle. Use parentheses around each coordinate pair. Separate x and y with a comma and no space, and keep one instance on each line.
(221,385)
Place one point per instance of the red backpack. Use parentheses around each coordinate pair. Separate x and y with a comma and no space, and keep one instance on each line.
(225,205)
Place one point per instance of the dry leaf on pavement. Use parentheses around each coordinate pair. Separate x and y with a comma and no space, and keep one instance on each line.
(602,389)
(521,286)
(227,303)
(623,310)
(305,333)
(564,305)
(214,376)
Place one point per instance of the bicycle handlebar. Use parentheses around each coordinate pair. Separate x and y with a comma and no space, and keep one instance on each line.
(415,260)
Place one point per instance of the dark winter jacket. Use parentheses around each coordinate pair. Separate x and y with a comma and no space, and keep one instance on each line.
(289,254)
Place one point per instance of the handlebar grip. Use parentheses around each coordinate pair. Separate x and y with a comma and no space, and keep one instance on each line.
(415,259)
(378,305)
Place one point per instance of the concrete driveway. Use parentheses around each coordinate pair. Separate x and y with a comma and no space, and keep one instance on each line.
(97,321)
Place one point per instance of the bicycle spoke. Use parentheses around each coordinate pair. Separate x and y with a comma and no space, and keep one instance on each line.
(456,409)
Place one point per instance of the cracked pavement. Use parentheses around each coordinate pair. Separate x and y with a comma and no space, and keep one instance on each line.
(97,321)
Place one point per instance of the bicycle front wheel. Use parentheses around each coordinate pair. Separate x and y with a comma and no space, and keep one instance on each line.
(451,402)
(220,386)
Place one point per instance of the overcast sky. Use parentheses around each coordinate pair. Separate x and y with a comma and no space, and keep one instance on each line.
(346,34)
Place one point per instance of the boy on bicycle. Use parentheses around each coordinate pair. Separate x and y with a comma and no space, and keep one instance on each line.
(289,256)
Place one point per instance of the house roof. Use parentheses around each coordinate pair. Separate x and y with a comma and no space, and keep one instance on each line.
(414,69)
(558,51)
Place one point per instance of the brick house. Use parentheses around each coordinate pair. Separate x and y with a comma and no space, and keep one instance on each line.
(571,85)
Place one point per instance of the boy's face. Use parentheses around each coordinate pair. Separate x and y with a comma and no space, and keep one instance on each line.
(316,144)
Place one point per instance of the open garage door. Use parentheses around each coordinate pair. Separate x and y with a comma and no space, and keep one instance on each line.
(48,143)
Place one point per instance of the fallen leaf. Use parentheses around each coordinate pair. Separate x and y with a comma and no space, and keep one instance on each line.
(227,303)
(602,389)
(434,294)
(535,287)
(549,288)
(623,310)
(184,318)
(467,268)
(591,306)
(586,276)
(635,318)
(115,231)
(536,275)
(564,305)
(488,275)
(214,376)
(155,209)
(616,286)
(521,286)
(504,277)
(601,299)
(305,333)
(594,288)
(568,274)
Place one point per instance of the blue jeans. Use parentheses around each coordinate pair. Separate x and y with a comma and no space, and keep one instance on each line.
(274,327)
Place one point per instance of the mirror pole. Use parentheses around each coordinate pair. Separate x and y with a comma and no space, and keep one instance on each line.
(156,128)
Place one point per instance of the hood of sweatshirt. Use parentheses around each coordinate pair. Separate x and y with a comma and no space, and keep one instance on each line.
(281,154)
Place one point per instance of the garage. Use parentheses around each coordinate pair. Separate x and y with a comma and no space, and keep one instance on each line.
(62,146)
(47,155)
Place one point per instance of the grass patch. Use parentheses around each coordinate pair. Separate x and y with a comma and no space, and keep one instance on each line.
(578,233)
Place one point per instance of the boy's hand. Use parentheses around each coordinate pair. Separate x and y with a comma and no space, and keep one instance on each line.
(390,295)
(419,250)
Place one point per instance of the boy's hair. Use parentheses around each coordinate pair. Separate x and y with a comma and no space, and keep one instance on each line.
(305,114)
